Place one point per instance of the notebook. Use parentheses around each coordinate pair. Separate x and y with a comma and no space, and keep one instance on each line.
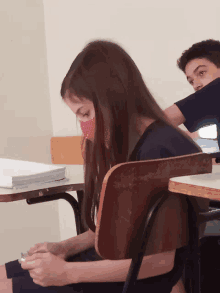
(17,173)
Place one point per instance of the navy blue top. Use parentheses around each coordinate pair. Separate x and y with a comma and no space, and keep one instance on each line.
(161,140)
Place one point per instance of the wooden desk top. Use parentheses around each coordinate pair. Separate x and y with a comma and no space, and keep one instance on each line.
(204,185)
(74,181)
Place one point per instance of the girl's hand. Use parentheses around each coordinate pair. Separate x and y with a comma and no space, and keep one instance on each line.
(55,248)
(46,269)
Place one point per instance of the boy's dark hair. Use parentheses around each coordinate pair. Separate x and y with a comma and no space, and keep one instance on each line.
(209,49)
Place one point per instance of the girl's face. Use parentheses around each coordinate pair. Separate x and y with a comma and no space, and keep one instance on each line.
(85,112)
(83,108)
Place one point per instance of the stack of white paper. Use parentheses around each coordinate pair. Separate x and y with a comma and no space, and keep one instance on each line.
(15,173)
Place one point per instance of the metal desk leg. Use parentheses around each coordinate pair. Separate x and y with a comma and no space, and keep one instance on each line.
(80,194)
(72,201)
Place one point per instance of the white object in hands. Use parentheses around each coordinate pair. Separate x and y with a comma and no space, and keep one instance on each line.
(15,173)
(23,257)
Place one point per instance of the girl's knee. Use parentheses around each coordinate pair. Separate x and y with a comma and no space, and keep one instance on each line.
(6,286)
(179,287)
(3,274)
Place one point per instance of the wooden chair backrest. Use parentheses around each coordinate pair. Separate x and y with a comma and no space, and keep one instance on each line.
(66,150)
(128,192)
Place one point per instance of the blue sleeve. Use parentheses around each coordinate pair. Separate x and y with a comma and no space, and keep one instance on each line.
(202,107)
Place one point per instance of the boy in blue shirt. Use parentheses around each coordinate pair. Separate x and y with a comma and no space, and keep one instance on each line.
(201,66)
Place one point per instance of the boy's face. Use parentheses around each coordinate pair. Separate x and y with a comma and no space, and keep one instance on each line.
(200,72)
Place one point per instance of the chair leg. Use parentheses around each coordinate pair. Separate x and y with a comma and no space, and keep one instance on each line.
(192,271)
(72,201)
(80,194)
(140,249)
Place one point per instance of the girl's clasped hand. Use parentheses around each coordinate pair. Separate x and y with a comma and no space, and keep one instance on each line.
(46,264)
(47,269)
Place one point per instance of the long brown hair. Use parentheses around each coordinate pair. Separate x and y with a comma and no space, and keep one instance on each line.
(106,75)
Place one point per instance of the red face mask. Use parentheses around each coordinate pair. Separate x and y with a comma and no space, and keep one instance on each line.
(88,128)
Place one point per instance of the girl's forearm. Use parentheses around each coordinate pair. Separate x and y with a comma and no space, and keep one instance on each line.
(79,243)
(117,270)
(98,271)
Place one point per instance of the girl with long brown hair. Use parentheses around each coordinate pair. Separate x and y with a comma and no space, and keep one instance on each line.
(121,122)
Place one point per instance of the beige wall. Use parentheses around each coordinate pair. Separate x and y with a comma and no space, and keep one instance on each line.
(25,120)
(154,33)
(24,93)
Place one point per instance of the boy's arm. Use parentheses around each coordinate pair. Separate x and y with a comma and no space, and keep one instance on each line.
(176,117)
(174,114)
